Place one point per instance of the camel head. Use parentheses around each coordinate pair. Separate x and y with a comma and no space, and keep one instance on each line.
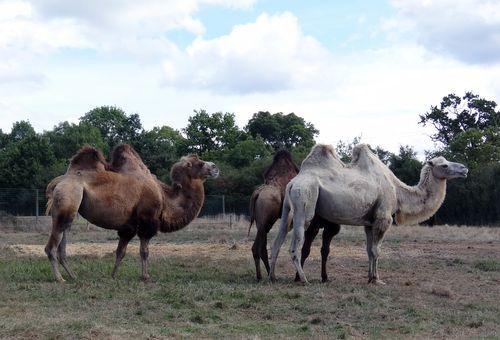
(191,167)
(443,169)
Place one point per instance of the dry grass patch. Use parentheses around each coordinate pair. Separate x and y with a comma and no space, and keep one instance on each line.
(203,286)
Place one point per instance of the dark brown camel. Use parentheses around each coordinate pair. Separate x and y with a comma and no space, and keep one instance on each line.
(265,209)
(125,197)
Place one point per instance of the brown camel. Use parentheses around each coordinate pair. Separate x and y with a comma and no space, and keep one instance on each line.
(125,197)
(265,209)
(365,192)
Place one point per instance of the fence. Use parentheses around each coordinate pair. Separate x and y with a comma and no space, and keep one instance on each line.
(32,202)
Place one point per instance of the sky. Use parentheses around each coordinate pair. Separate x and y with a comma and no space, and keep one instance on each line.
(352,68)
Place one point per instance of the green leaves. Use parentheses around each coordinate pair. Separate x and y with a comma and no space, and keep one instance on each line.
(211,132)
(114,124)
(468,128)
(282,131)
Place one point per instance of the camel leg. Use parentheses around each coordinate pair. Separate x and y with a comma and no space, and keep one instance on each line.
(377,235)
(369,245)
(263,246)
(61,255)
(144,251)
(310,235)
(66,201)
(125,236)
(381,227)
(148,227)
(263,253)
(330,230)
(59,225)
(278,242)
(299,227)
(257,244)
(51,251)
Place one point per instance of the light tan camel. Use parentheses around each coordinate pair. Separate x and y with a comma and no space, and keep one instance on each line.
(128,199)
(265,209)
(364,192)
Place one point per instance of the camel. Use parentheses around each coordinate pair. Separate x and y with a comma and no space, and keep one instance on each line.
(265,209)
(364,192)
(123,196)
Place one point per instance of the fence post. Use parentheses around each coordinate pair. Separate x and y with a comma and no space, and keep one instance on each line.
(224,205)
(36,207)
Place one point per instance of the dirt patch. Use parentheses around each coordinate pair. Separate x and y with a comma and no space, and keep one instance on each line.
(203,285)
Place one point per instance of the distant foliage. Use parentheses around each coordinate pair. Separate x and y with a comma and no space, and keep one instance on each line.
(467,130)
(211,133)
(114,124)
(282,131)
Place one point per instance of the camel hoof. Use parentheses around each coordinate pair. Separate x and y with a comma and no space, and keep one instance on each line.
(272,278)
(60,279)
(377,282)
(325,279)
(145,278)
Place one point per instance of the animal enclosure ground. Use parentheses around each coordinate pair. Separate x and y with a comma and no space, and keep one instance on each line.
(441,282)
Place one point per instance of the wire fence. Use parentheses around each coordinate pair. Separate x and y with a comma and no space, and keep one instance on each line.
(32,202)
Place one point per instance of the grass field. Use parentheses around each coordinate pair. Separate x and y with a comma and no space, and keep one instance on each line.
(441,282)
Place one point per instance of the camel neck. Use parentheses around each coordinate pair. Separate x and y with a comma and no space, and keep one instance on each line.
(417,203)
(182,205)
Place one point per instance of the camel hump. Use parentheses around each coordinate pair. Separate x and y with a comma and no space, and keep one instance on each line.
(322,155)
(282,170)
(125,159)
(87,158)
(364,158)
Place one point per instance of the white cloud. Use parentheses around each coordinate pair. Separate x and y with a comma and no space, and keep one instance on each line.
(268,64)
(272,54)
(468,30)
(139,17)
(33,30)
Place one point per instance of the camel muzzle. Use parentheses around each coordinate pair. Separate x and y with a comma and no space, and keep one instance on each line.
(460,170)
(213,171)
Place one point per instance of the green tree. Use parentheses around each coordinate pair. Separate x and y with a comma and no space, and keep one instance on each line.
(211,132)
(114,124)
(67,138)
(282,131)
(467,128)
(4,138)
(344,149)
(27,161)
(405,165)
(159,149)
(247,151)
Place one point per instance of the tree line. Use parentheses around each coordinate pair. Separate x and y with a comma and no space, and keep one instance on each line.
(466,130)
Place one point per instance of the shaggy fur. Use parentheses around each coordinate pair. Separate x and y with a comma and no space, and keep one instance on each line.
(265,209)
(128,199)
(364,192)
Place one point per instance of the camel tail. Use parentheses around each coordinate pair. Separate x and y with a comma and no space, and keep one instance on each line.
(49,193)
(253,199)
(48,208)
